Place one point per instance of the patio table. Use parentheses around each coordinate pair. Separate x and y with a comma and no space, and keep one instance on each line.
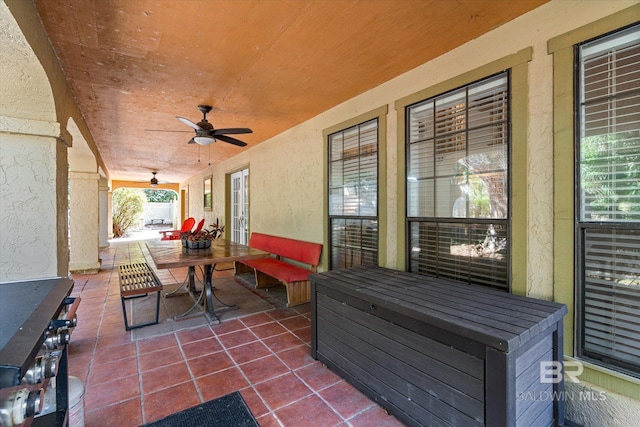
(171,254)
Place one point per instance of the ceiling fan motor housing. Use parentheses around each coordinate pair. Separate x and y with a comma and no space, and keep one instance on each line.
(204,109)
(204,124)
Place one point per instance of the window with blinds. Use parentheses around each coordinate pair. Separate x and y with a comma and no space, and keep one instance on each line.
(608,200)
(353,196)
(458,183)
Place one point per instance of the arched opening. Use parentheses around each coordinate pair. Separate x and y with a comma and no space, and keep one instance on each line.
(141,213)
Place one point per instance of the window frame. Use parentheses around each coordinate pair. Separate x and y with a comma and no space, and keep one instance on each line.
(359,253)
(518,63)
(380,114)
(437,219)
(562,50)
(582,226)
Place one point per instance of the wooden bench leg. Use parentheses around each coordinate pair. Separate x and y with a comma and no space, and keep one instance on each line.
(124,313)
(298,293)
(264,280)
(240,268)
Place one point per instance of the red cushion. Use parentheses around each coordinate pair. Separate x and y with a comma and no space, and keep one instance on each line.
(279,269)
(187,225)
(306,252)
(200,225)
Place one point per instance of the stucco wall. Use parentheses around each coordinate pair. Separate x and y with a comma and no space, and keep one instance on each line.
(19,64)
(286,172)
(285,185)
(591,406)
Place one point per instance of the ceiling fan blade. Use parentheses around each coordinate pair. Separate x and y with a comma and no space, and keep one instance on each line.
(231,131)
(231,140)
(189,123)
(165,130)
(192,141)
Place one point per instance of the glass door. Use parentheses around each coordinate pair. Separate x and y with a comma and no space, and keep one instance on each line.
(240,206)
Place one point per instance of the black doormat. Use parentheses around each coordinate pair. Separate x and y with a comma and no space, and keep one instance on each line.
(227,411)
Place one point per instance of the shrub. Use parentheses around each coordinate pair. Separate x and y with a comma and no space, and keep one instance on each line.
(128,207)
(160,196)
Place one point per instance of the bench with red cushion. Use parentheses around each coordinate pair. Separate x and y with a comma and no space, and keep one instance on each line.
(285,266)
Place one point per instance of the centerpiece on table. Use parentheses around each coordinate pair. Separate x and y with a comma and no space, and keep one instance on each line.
(202,239)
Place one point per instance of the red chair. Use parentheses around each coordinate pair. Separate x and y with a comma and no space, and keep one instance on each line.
(175,234)
(200,225)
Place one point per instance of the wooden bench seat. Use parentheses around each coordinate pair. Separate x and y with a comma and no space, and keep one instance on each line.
(137,280)
(286,265)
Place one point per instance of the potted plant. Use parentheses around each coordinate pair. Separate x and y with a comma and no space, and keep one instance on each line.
(202,239)
(199,240)
(216,230)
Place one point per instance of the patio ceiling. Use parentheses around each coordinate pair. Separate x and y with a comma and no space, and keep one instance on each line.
(265,64)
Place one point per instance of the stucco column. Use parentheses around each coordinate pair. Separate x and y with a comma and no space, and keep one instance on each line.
(110,215)
(103,205)
(33,200)
(84,222)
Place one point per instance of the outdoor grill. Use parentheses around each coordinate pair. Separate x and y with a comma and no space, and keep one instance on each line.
(36,321)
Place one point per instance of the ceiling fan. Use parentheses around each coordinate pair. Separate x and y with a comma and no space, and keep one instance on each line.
(206,134)
(154,181)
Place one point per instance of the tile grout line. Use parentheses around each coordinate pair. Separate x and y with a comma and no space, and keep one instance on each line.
(251,384)
(142,402)
(186,362)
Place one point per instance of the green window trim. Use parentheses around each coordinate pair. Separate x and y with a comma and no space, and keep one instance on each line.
(562,48)
(518,63)
(380,114)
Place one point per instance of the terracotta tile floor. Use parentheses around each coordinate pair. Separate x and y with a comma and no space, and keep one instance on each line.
(265,356)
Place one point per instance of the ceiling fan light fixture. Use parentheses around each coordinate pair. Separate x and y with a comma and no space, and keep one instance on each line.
(154,180)
(204,140)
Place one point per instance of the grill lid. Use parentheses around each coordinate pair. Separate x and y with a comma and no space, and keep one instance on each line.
(27,309)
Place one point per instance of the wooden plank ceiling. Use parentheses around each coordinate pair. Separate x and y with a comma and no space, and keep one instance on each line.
(265,64)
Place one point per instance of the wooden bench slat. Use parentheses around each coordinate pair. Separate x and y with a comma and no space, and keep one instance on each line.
(138,279)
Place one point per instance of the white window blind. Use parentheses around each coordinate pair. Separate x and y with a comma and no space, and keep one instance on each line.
(608,217)
(610,132)
(612,295)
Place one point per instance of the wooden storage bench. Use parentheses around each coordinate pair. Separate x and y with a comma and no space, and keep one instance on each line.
(278,269)
(138,280)
(438,352)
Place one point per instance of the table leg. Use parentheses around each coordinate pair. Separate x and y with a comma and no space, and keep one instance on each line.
(208,290)
(192,279)
(191,290)
(210,293)
(189,282)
